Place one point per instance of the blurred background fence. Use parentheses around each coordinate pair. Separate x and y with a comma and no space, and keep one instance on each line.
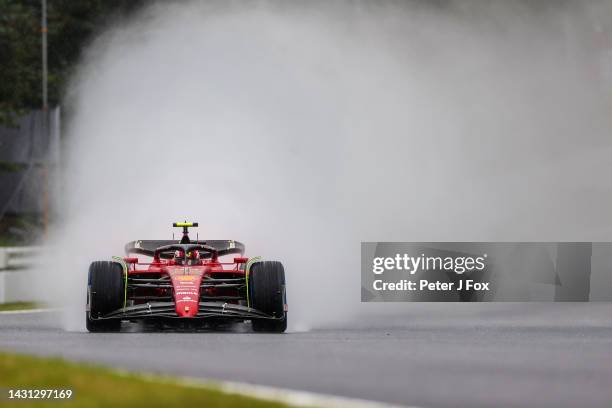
(29,165)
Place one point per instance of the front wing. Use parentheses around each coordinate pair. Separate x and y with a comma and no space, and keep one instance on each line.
(205,310)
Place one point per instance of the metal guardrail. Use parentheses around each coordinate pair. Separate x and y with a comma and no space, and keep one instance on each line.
(16,258)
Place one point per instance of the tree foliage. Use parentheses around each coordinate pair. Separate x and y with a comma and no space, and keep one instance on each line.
(71,25)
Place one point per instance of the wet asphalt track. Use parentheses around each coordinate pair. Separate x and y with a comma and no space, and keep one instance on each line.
(432,355)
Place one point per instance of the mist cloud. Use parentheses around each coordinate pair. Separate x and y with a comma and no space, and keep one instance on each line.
(302,130)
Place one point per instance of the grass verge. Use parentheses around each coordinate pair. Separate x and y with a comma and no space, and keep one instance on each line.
(94,386)
(19,306)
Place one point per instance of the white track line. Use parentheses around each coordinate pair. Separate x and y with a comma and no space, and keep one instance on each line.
(299,398)
(27,311)
(283,395)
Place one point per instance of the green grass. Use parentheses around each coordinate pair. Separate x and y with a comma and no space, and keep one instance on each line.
(95,386)
(19,306)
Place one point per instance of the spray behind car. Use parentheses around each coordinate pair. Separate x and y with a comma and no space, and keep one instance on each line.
(304,131)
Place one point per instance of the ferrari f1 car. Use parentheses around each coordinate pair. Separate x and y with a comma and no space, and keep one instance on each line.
(186,284)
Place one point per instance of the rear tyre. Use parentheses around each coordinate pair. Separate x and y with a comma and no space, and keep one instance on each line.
(267,293)
(106,291)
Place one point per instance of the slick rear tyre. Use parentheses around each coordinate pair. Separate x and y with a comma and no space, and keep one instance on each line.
(106,291)
(267,293)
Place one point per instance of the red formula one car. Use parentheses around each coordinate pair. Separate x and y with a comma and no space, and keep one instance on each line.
(186,285)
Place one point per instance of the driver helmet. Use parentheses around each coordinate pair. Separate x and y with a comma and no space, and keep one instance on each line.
(179,257)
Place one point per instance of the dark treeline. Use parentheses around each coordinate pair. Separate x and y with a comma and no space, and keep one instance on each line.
(71,25)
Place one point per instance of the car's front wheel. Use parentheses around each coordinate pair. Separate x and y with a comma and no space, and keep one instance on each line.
(105,294)
(267,293)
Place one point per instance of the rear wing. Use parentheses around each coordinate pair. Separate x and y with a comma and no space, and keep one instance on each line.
(148,247)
